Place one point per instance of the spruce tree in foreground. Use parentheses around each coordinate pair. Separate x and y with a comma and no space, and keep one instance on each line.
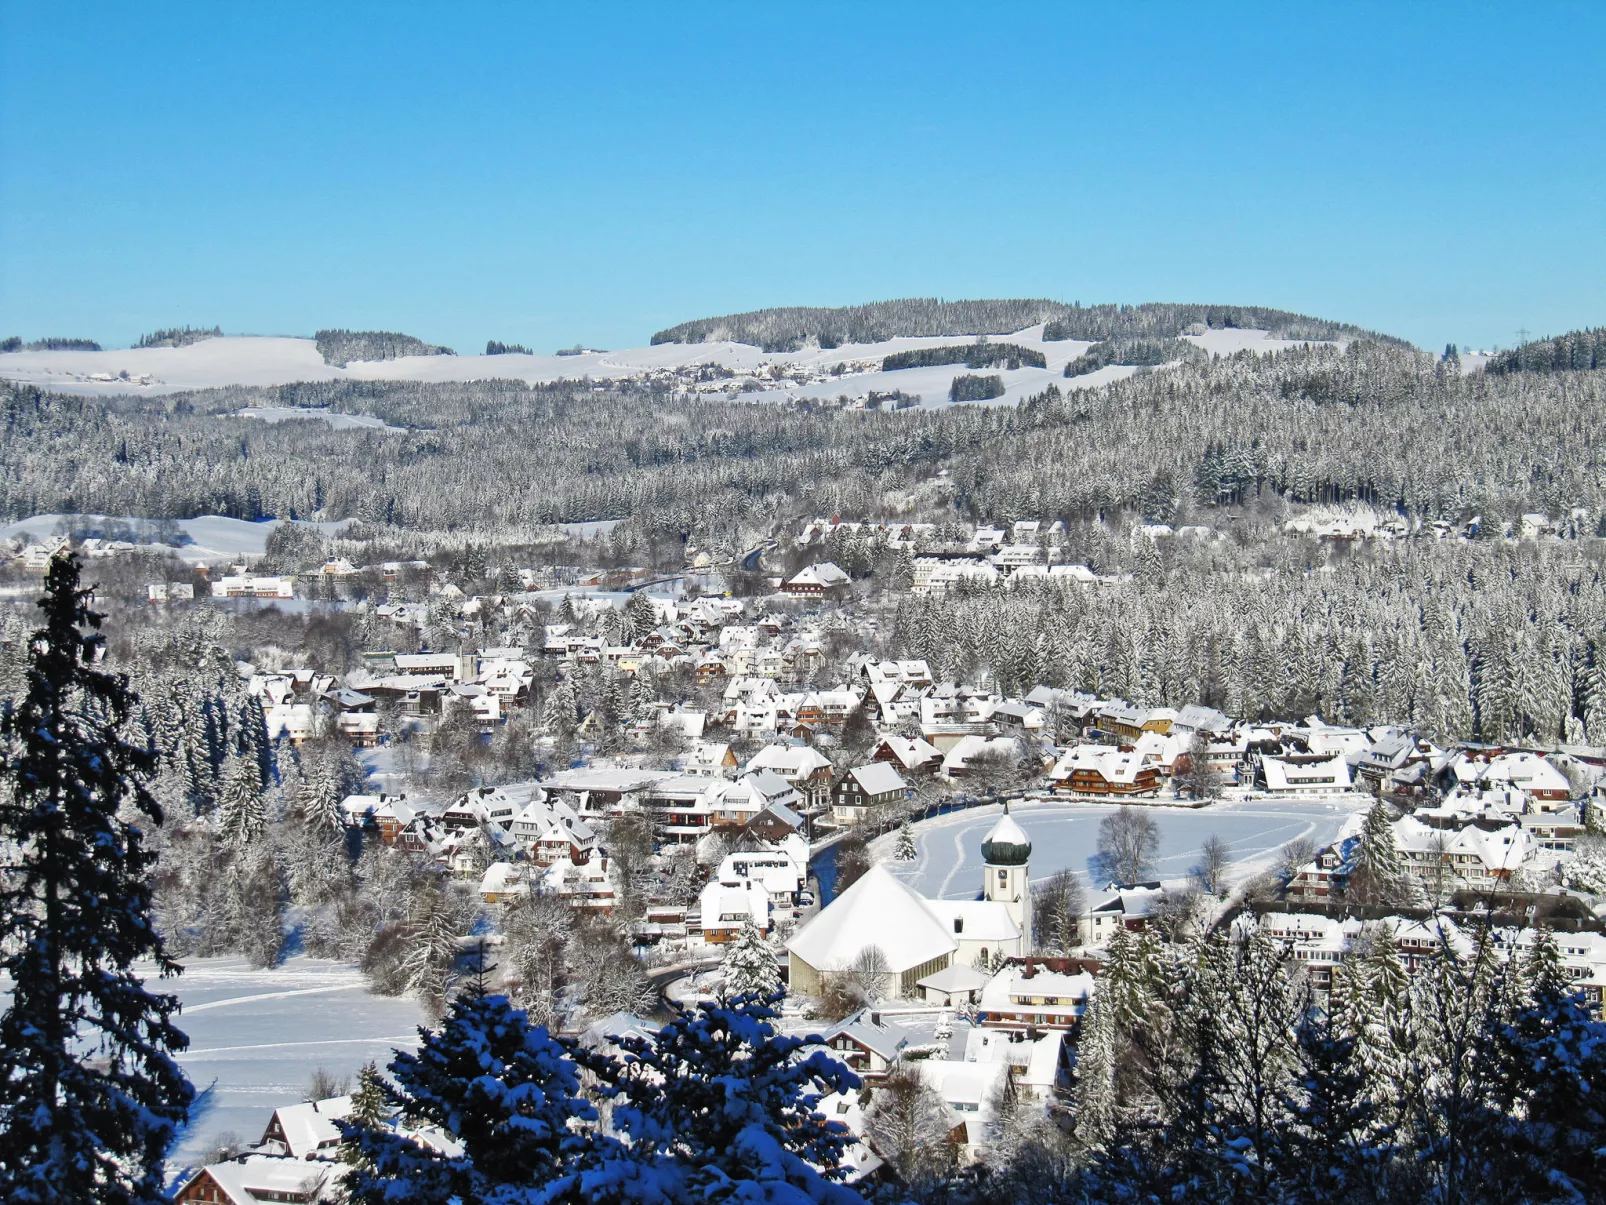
(503,1090)
(749,966)
(90,1096)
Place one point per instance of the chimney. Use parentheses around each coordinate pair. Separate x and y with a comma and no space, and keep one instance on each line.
(875,1019)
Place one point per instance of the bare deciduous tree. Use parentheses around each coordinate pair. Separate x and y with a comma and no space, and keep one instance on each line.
(1057,907)
(1209,872)
(1128,842)
(1204,779)
(907,1124)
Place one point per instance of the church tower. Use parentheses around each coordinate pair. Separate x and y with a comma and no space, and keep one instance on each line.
(1005,851)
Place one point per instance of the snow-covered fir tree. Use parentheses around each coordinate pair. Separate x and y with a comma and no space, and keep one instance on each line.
(1377,874)
(748,965)
(905,849)
(90,1095)
(1093,1091)
(502,1089)
(242,809)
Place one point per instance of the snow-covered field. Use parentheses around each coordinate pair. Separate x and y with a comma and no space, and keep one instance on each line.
(1065,835)
(340,422)
(210,538)
(257,1036)
(249,360)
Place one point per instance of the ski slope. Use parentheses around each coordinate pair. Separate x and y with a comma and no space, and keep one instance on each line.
(257,1036)
(254,360)
(1065,836)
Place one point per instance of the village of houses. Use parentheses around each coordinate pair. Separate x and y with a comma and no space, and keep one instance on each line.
(961,988)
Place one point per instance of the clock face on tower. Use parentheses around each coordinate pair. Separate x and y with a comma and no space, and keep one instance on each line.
(1003,877)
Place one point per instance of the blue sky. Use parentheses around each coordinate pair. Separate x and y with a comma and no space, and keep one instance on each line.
(594,172)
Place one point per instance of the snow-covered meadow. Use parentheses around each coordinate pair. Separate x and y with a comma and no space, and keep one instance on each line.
(256,1037)
(1065,836)
(251,360)
(207,539)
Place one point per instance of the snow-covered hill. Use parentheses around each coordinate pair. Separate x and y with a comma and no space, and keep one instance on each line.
(754,374)
(204,540)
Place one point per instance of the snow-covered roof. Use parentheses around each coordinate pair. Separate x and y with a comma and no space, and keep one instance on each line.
(310,1125)
(826,574)
(872,1031)
(1133,900)
(1281,775)
(911,751)
(784,814)
(1011,988)
(789,761)
(975,920)
(877,910)
(1197,718)
(501,877)
(1113,765)
(964,1087)
(955,979)
(257,1178)
(723,904)
(878,778)
(1006,832)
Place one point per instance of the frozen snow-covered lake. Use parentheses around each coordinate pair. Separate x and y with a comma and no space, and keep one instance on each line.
(1065,835)
(257,1036)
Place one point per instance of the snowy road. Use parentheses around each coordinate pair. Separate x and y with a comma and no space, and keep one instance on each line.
(1066,835)
(257,1036)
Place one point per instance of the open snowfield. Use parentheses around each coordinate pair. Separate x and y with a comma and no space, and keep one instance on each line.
(257,1036)
(340,422)
(210,538)
(1065,835)
(252,360)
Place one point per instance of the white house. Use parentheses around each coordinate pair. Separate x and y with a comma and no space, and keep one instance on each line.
(726,905)
(1327,777)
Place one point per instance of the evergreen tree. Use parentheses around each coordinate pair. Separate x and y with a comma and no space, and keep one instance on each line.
(242,813)
(369,1108)
(1336,1149)
(1093,1097)
(437,918)
(90,1097)
(320,795)
(641,614)
(1377,873)
(749,966)
(905,850)
(719,1107)
(504,1091)
(368,1104)
(252,905)
(1552,1094)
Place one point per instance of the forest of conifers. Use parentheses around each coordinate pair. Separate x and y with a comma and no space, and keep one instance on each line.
(1375,423)
(1494,638)
(791,327)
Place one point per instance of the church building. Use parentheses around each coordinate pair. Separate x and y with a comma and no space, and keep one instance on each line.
(917,937)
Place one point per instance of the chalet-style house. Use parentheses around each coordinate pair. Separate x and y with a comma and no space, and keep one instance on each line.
(1100,770)
(865,787)
(868,1043)
(823,578)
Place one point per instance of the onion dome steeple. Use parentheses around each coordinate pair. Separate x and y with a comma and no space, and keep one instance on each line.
(1006,844)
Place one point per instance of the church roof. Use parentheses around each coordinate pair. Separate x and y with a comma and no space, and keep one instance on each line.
(1006,844)
(980,920)
(878,910)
